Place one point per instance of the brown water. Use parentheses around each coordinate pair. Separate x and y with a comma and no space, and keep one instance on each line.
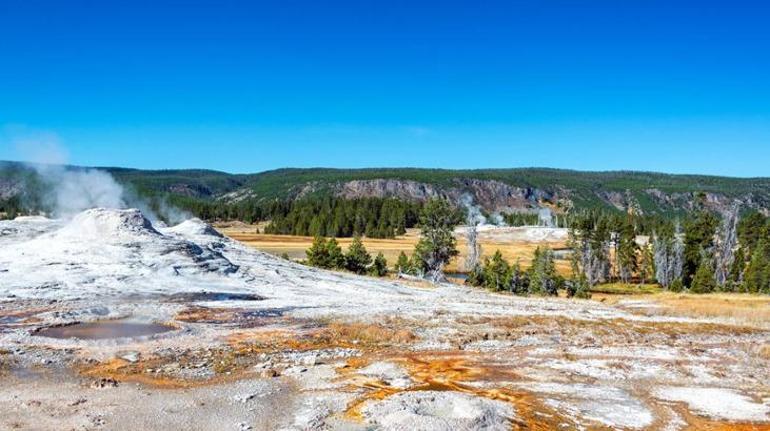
(104,330)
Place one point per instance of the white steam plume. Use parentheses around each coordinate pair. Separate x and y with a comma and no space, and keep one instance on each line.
(69,191)
(73,191)
(475,217)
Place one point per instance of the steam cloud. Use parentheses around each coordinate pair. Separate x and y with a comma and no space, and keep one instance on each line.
(72,191)
(475,217)
(69,190)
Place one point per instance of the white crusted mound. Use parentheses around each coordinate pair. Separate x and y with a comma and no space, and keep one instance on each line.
(607,405)
(392,374)
(32,219)
(718,403)
(101,224)
(518,233)
(105,252)
(194,227)
(438,411)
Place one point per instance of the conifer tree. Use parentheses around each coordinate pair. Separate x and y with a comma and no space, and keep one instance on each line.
(476,276)
(703,280)
(496,273)
(318,253)
(519,283)
(677,285)
(698,239)
(416,265)
(542,273)
(437,244)
(379,267)
(646,264)
(626,252)
(334,254)
(577,287)
(402,264)
(357,259)
(751,229)
(756,279)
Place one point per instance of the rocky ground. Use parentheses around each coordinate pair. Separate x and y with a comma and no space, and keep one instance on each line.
(181,328)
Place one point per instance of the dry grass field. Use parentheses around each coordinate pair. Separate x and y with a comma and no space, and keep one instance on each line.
(295,246)
(737,308)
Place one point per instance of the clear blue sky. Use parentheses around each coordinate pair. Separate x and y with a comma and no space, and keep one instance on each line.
(674,86)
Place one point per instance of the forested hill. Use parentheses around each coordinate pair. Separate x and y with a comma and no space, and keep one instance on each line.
(493,189)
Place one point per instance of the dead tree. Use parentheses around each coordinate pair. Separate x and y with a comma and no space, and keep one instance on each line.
(474,249)
(668,256)
(727,239)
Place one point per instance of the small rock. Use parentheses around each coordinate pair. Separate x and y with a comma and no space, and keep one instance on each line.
(131,357)
(269,373)
(309,360)
(78,402)
(244,398)
(104,383)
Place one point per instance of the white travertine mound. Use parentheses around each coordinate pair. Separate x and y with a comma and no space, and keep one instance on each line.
(439,411)
(194,227)
(101,224)
(718,403)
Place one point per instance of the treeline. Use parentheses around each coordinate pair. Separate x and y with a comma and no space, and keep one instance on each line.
(337,217)
(323,216)
(540,278)
(702,253)
(328,255)
(11,208)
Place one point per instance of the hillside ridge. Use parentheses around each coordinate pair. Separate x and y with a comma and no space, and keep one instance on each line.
(496,189)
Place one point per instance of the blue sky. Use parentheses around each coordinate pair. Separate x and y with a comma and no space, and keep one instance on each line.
(673,86)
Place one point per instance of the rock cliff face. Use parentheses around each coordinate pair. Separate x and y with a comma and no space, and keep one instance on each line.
(403,189)
(495,195)
(492,195)
(9,188)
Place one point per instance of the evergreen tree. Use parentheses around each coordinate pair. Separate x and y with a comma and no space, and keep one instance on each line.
(318,253)
(519,283)
(380,266)
(703,281)
(542,273)
(647,264)
(577,287)
(334,254)
(437,244)
(751,229)
(402,264)
(699,234)
(756,279)
(417,265)
(677,285)
(497,273)
(357,259)
(476,276)
(626,252)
